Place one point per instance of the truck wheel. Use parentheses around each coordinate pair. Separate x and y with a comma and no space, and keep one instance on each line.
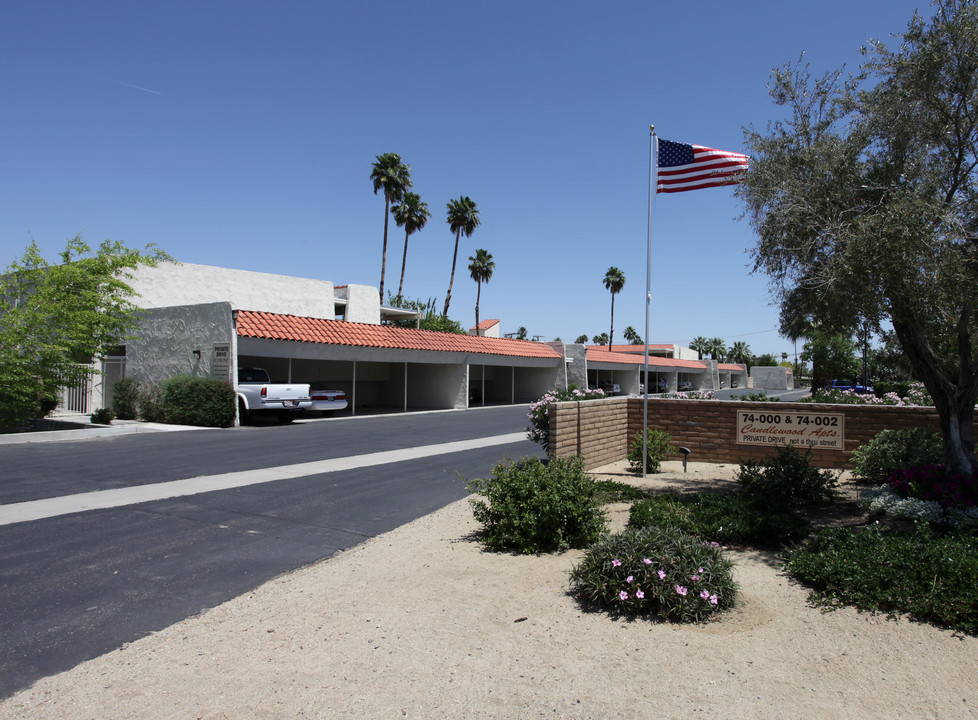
(286,417)
(243,417)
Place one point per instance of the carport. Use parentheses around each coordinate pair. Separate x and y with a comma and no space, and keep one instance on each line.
(627,369)
(380,366)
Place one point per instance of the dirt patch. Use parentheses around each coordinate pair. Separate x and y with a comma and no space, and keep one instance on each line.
(421,623)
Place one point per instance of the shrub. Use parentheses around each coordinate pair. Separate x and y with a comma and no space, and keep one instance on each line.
(882,388)
(934,483)
(786,480)
(539,415)
(151,404)
(125,398)
(727,519)
(885,501)
(656,448)
(892,450)
(205,402)
(532,507)
(757,397)
(917,395)
(932,578)
(103,416)
(657,572)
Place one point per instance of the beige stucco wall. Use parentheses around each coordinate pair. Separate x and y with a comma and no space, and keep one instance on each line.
(168,336)
(170,284)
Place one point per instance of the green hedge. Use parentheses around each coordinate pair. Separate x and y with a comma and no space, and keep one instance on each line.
(205,402)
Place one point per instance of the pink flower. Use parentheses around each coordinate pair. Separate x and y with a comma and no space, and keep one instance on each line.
(629,578)
(616,563)
(700,570)
(695,578)
(639,594)
(705,595)
(713,599)
(662,574)
(623,595)
(646,561)
(681,590)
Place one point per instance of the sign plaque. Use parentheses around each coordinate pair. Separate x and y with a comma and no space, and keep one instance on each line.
(806,430)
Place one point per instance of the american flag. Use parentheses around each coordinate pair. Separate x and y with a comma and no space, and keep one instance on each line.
(691,167)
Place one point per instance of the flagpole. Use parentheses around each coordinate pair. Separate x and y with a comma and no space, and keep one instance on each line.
(653,167)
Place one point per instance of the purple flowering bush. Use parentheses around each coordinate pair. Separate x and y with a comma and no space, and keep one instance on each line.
(657,572)
(916,395)
(539,415)
(934,483)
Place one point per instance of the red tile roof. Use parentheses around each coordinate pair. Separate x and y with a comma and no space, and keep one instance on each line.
(486,324)
(273,326)
(731,366)
(600,353)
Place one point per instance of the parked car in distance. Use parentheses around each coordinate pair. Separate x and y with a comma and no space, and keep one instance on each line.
(609,387)
(258,395)
(842,385)
(325,400)
(658,385)
(684,386)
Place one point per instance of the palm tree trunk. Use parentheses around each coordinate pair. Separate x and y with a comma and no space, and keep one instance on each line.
(448,295)
(611,333)
(478,297)
(383,260)
(400,288)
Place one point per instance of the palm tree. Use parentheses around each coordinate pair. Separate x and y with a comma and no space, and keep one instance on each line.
(412,215)
(463,217)
(581,340)
(739,352)
(480,270)
(631,334)
(700,345)
(716,348)
(601,339)
(394,177)
(614,281)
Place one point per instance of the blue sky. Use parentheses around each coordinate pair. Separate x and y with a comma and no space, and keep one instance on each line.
(242,134)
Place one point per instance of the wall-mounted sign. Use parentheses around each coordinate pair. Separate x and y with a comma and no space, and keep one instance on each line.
(807,430)
(221,362)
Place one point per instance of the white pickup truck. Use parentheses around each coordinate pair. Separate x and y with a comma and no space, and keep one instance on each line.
(258,394)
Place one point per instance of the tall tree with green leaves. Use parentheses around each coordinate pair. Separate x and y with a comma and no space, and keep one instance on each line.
(463,218)
(56,319)
(632,336)
(716,348)
(614,281)
(394,178)
(699,344)
(866,198)
(739,352)
(581,340)
(833,357)
(411,214)
(481,268)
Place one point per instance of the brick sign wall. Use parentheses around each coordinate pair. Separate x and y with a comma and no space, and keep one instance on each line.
(726,431)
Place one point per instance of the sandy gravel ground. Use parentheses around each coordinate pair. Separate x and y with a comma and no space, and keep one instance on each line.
(420,623)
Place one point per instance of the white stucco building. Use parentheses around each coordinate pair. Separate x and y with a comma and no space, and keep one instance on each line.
(208,321)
